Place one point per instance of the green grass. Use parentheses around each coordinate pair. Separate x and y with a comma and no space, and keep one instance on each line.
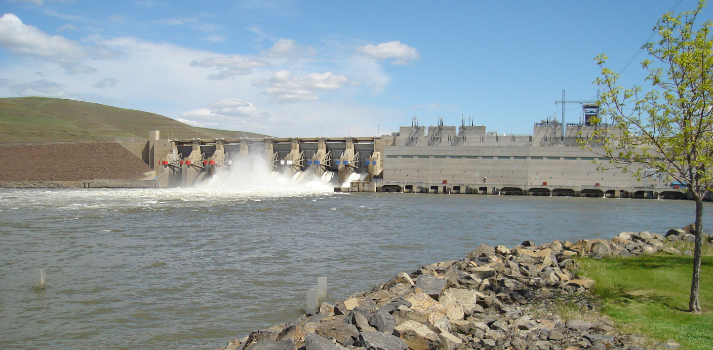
(40,119)
(648,295)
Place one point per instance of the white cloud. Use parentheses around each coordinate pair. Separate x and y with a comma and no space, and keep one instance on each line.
(105,83)
(229,66)
(35,88)
(235,112)
(68,26)
(216,38)
(288,48)
(260,34)
(401,53)
(285,86)
(25,39)
(74,68)
(158,77)
(172,21)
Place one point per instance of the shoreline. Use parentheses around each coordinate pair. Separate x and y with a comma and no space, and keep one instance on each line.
(495,298)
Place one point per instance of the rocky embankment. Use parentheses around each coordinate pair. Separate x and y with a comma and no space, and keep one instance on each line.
(66,164)
(495,298)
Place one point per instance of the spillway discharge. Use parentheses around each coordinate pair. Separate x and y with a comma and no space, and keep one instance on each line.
(254,173)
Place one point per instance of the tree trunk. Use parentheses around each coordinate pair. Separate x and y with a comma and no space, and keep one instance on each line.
(694,304)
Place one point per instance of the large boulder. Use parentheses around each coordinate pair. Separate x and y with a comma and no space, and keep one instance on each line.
(381,341)
(431,285)
(383,322)
(269,344)
(481,251)
(467,299)
(316,342)
(338,330)
(417,335)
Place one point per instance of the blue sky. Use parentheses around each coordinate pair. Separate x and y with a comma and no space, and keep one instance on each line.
(325,68)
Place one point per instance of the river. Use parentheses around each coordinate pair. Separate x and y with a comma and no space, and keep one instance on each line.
(191,268)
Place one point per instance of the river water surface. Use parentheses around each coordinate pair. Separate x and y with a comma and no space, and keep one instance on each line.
(191,268)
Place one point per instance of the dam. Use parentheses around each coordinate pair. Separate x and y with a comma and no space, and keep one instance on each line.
(443,159)
(188,162)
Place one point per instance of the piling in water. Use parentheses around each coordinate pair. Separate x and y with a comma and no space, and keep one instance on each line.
(39,279)
(311,302)
(322,287)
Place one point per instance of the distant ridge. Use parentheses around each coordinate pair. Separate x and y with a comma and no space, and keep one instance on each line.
(42,119)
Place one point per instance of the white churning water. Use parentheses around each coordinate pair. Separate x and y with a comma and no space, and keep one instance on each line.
(191,268)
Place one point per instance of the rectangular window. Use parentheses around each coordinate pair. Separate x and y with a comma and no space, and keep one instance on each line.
(587,158)
(390,156)
(486,157)
(443,157)
(570,158)
(423,157)
(536,157)
(520,157)
(471,157)
(604,159)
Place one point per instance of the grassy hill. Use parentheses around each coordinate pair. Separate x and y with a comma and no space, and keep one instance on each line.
(40,119)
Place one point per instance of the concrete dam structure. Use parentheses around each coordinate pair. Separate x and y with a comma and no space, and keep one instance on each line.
(438,159)
(550,162)
(188,162)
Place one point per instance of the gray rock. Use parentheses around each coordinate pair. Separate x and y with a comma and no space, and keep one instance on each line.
(625,236)
(645,235)
(383,322)
(580,325)
(342,332)
(394,304)
(669,345)
(500,325)
(673,234)
(556,335)
(359,320)
(606,339)
(316,342)
(381,341)
(417,336)
(487,343)
(433,286)
(326,309)
(481,251)
(600,249)
(268,344)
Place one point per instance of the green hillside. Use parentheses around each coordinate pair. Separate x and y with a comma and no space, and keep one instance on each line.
(40,119)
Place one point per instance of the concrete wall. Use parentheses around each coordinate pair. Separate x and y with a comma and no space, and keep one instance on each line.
(565,166)
(138,148)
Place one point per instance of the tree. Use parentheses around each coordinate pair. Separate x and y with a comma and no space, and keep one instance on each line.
(667,128)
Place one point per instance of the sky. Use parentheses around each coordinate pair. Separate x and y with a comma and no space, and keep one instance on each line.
(327,68)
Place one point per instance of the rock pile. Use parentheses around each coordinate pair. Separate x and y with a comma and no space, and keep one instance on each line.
(495,298)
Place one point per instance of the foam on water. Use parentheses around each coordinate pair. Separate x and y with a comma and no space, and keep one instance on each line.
(254,175)
(353,177)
